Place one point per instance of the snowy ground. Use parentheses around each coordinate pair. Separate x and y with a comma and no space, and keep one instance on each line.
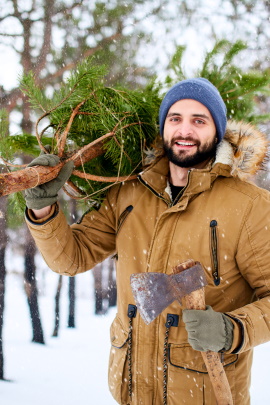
(73,367)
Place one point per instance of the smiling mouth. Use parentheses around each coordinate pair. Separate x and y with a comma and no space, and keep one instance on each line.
(185,143)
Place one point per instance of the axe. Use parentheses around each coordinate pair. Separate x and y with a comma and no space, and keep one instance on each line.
(153,292)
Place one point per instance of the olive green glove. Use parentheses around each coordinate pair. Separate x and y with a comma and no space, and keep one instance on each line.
(46,194)
(208,330)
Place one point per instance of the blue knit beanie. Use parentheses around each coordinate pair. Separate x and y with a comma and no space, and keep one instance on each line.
(201,90)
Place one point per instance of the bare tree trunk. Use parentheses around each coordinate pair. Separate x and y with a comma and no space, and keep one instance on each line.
(30,284)
(72,281)
(72,299)
(112,292)
(2,303)
(3,242)
(31,288)
(97,272)
(57,307)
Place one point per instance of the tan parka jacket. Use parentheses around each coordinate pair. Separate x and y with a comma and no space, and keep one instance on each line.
(219,220)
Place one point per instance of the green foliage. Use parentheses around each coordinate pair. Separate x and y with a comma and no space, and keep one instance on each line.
(12,146)
(238,88)
(38,99)
(15,210)
(24,143)
(129,114)
(176,63)
(4,128)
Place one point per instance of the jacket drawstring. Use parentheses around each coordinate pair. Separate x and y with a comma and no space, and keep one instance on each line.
(172,320)
(132,310)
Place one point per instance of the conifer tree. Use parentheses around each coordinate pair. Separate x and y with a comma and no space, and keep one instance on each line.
(106,130)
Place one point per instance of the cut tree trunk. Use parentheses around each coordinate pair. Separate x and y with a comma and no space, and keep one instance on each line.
(30,177)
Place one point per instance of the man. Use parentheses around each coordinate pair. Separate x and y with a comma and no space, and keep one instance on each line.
(189,203)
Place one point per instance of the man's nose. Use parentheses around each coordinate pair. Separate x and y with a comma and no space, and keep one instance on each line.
(185,128)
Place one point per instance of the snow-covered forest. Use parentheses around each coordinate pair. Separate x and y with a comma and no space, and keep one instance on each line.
(136,40)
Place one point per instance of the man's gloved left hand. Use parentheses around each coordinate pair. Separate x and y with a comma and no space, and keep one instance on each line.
(45,194)
(208,330)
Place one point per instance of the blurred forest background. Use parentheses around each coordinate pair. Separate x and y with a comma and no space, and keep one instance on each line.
(138,41)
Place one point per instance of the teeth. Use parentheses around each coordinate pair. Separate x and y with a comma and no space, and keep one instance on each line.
(185,143)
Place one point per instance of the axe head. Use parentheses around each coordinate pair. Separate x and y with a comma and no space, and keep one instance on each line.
(153,292)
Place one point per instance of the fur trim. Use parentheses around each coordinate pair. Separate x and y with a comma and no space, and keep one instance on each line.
(244,148)
(225,153)
(250,149)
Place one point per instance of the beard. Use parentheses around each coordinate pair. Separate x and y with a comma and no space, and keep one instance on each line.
(181,159)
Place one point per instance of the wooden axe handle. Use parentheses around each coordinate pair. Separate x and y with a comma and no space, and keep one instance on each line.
(217,375)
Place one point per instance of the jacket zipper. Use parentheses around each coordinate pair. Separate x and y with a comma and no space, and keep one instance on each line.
(214,251)
(160,196)
(152,190)
(176,200)
(123,217)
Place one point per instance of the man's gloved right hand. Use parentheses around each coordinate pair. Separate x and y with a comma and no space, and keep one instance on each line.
(46,194)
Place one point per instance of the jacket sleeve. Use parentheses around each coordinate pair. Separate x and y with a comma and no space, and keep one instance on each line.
(253,259)
(74,249)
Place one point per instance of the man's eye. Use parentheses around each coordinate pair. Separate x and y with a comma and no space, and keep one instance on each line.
(199,121)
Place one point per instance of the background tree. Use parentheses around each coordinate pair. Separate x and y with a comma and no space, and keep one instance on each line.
(3,244)
(74,216)
(57,307)
(31,288)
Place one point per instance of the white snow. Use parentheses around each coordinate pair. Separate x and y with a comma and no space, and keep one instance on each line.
(71,368)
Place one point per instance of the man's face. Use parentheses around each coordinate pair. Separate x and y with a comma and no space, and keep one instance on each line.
(189,134)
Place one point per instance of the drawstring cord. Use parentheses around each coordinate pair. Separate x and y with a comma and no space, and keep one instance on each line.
(172,320)
(132,310)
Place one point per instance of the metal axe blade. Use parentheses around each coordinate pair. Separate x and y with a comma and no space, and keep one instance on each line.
(153,292)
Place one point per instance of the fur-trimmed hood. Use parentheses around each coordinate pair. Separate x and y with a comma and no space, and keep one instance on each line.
(244,148)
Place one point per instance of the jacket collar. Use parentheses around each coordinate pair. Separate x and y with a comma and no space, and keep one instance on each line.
(156,176)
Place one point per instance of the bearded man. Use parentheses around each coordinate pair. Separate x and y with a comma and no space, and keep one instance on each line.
(192,201)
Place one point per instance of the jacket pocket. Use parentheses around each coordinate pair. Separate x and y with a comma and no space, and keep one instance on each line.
(117,375)
(183,356)
(188,377)
(214,251)
(123,217)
